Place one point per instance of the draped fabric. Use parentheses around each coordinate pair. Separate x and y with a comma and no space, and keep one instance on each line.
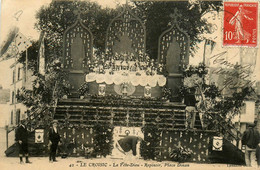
(124,77)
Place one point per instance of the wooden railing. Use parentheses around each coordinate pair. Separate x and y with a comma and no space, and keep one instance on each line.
(230,132)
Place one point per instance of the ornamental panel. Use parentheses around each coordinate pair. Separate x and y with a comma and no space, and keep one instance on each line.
(174,47)
(77,46)
(126,34)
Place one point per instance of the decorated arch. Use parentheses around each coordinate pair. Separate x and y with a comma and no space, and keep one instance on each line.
(77,52)
(126,33)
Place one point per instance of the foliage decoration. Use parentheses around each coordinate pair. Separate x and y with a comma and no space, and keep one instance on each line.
(103,139)
(84,89)
(199,70)
(157,17)
(213,100)
(166,93)
(149,146)
(180,154)
(46,90)
(55,18)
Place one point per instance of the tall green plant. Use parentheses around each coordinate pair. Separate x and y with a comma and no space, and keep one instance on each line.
(103,139)
(211,98)
(149,146)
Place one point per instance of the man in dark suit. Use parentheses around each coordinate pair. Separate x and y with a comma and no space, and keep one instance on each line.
(251,139)
(127,144)
(54,140)
(21,136)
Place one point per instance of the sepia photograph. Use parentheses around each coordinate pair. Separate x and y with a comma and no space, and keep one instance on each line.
(129,84)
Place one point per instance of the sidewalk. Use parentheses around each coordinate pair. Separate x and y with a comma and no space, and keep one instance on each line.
(42,163)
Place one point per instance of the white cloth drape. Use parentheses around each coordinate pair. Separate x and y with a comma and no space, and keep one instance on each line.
(121,77)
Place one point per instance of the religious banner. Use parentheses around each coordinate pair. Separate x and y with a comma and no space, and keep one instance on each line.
(39,135)
(147,91)
(101,89)
(217,143)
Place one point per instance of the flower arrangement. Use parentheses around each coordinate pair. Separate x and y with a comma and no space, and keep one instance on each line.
(180,154)
(183,90)
(166,93)
(107,63)
(84,88)
(199,70)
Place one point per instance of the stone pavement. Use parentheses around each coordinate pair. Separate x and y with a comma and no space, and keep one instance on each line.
(42,163)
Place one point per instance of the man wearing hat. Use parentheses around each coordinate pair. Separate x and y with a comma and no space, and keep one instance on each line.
(250,139)
(21,136)
(54,139)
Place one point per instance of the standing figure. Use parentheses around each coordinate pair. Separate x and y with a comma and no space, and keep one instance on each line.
(190,102)
(238,18)
(54,140)
(258,155)
(127,144)
(21,136)
(250,139)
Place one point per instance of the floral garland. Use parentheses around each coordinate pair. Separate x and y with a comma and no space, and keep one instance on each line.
(106,63)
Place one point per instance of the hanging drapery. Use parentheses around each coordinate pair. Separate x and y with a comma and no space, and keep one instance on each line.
(135,79)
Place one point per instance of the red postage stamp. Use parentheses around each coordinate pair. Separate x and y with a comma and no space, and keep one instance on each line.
(240,24)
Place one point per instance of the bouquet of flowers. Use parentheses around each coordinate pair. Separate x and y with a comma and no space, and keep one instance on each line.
(180,154)
(166,93)
(84,88)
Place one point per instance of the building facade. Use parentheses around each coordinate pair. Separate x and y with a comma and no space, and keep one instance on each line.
(19,77)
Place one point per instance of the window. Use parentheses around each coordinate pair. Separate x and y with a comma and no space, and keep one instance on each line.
(12,118)
(13,76)
(18,114)
(19,74)
(17,96)
(13,97)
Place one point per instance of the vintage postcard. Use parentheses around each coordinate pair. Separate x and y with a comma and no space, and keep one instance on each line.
(129,84)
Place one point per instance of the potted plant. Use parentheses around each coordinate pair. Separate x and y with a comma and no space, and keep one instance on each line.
(84,89)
